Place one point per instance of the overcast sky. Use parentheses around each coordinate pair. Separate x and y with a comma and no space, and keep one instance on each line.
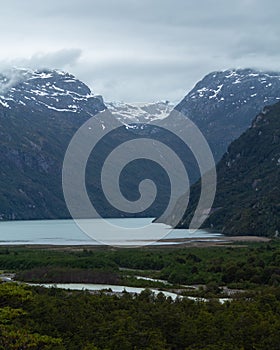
(140,50)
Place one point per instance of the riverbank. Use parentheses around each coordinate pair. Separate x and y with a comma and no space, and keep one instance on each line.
(175,293)
(240,265)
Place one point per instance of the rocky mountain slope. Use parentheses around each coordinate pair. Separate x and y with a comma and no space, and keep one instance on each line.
(248,190)
(224,103)
(39,113)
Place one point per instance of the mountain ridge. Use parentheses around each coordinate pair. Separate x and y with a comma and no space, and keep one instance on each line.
(43,90)
(224,103)
(40,111)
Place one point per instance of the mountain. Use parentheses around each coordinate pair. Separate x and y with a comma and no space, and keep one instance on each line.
(224,103)
(128,113)
(39,113)
(41,110)
(248,189)
(47,91)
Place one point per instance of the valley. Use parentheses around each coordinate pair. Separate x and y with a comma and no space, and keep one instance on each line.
(139,175)
(40,112)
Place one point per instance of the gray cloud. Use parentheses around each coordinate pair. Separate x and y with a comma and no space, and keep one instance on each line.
(11,78)
(141,50)
(61,59)
(57,59)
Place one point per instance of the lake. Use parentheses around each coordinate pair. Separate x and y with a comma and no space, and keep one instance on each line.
(67,232)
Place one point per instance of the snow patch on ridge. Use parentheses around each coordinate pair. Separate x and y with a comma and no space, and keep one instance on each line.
(128,113)
(51,89)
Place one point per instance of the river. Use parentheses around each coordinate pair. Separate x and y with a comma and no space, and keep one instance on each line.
(120,289)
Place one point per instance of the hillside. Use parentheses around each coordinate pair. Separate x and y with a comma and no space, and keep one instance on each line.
(248,189)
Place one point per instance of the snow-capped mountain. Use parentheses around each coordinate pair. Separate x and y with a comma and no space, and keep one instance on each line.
(55,90)
(40,111)
(237,87)
(128,113)
(223,104)
(47,90)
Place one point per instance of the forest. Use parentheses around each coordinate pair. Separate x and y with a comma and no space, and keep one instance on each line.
(41,318)
(244,265)
(34,317)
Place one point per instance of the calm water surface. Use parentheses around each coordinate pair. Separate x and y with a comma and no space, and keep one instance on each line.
(66,232)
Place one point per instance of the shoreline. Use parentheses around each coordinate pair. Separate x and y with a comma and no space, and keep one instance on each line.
(224,241)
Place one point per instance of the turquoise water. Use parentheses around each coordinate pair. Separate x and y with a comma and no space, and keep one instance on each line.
(66,232)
